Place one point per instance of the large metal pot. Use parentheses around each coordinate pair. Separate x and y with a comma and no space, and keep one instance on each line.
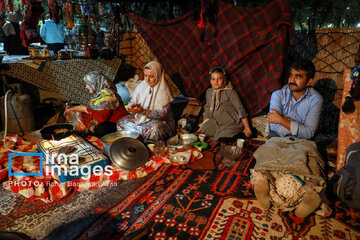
(128,153)
(108,139)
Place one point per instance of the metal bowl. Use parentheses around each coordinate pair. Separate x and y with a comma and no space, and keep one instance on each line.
(230,152)
(181,141)
(174,143)
(188,139)
(108,139)
(180,157)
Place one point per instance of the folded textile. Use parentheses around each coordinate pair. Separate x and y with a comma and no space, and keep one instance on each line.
(299,157)
(292,167)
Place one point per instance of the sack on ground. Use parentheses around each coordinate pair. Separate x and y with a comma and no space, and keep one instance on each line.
(347,179)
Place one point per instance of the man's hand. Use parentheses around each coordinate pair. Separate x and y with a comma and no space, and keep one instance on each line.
(275,117)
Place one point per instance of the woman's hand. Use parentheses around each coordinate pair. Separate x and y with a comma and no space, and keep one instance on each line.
(136,108)
(247,130)
(79,126)
(79,108)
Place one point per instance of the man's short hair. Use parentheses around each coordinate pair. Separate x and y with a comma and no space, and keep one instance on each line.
(305,65)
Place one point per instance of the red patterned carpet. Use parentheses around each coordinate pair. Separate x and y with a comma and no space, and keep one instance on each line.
(178,203)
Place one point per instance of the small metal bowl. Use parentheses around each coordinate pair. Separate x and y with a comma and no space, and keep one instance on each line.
(181,141)
(188,139)
(230,152)
(174,143)
(180,157)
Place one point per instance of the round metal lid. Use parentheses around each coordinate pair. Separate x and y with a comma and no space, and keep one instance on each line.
(128,153)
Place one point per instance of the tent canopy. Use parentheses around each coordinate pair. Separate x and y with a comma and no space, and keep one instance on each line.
(251,44)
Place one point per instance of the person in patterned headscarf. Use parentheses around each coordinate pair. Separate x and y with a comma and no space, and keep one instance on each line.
(106,106)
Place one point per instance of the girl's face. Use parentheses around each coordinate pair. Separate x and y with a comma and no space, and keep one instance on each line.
(91,91)
(149,77)
(217,80)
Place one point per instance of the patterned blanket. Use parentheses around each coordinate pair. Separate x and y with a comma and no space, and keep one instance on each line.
(299,157)
(278,158)
(249,42)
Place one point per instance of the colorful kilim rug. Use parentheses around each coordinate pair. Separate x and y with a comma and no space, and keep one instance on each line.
(63,219)
(179,203)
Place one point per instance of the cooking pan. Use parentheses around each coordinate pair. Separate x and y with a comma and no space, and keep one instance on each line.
(57,132)
(108,139)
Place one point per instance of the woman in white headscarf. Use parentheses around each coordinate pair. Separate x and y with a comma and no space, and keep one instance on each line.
(149,107)
(225,118)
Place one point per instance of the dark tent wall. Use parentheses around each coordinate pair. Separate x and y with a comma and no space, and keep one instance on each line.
(251,43)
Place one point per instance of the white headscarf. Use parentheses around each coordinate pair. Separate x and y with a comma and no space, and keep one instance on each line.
(151,98)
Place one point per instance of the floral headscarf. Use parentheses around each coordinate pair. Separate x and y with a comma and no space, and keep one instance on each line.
(105,95)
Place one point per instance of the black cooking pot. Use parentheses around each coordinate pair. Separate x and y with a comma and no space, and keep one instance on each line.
(57,132)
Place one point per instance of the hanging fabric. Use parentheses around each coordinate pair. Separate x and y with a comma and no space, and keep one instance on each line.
(250,42)
(11,5)
(2,6)
(28,29)
(70,14)
(201,23)
(65,14)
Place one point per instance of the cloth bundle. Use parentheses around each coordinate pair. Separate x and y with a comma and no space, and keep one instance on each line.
(292,167)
